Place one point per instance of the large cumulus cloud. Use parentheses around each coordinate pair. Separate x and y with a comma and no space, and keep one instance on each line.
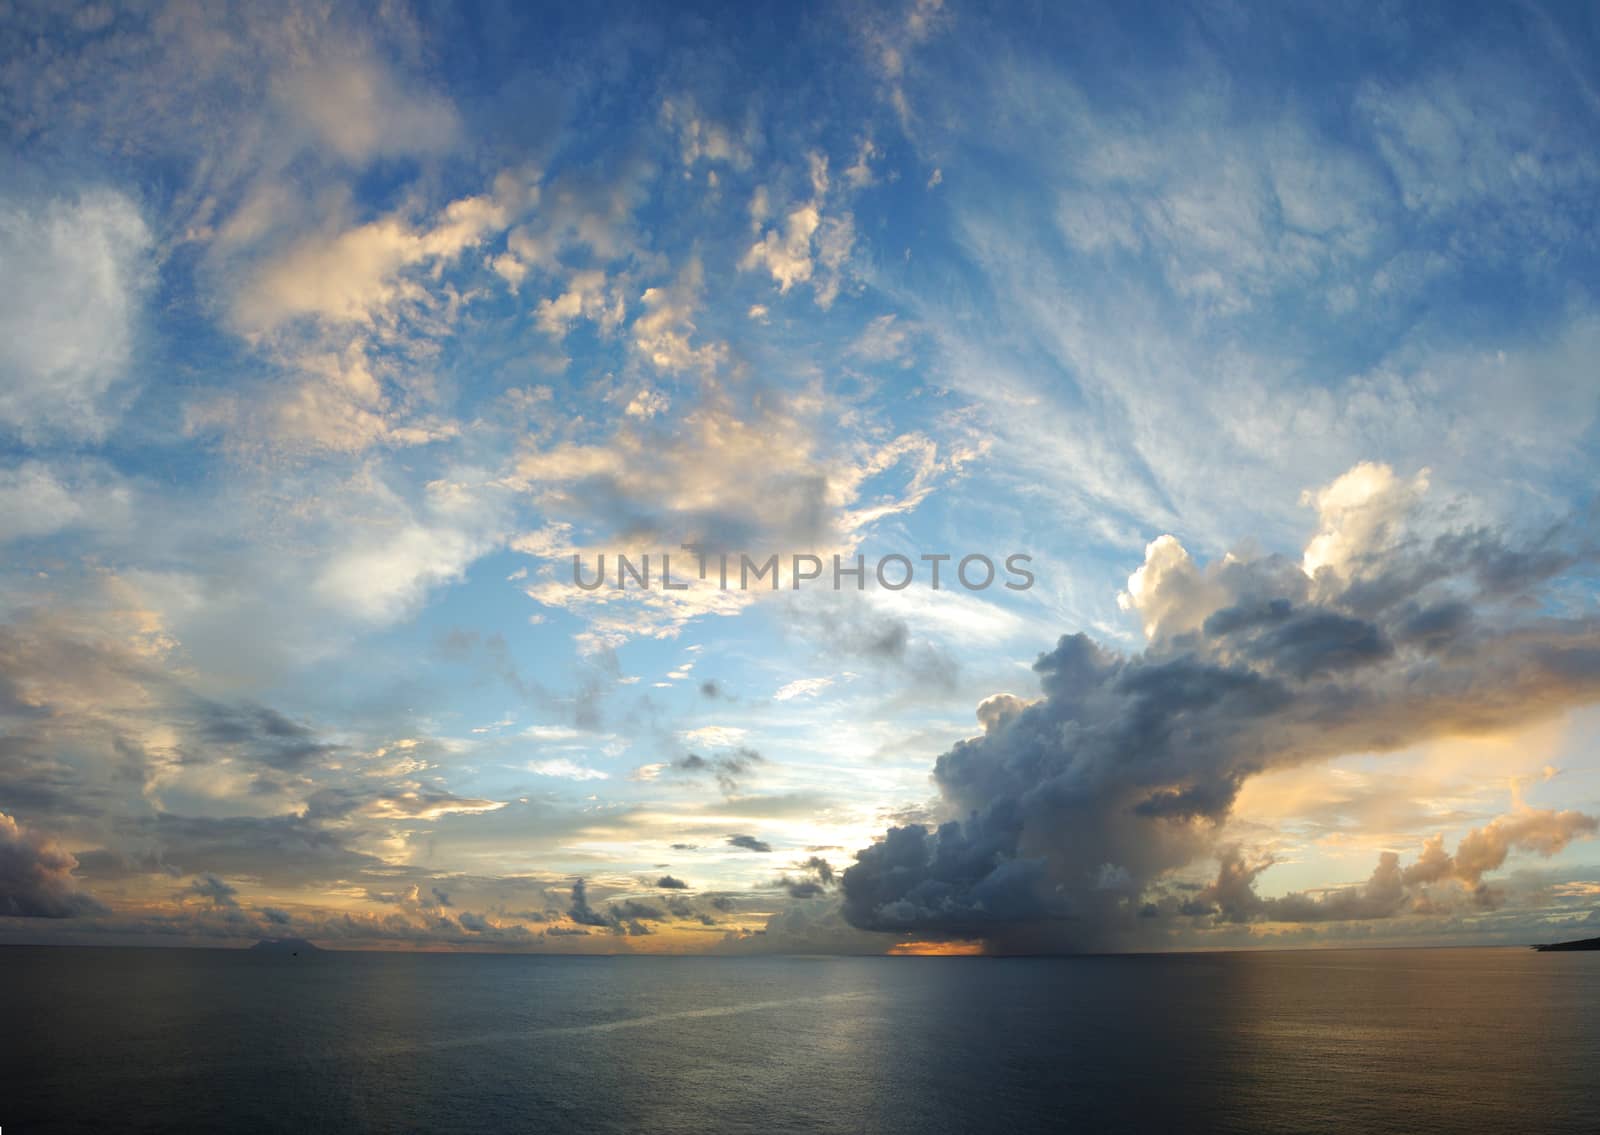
(1398,625)
(36,876)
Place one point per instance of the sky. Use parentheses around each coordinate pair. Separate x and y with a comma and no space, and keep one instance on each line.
(1263,337)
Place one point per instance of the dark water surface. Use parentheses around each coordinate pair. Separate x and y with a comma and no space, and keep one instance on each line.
(214,1040)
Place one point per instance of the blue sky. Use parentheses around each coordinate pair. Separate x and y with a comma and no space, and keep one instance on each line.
(331,333)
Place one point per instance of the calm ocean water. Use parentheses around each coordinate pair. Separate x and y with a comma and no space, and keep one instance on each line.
(218,1041)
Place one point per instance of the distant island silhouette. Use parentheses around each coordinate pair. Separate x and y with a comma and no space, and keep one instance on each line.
(1580,944)
(286,946)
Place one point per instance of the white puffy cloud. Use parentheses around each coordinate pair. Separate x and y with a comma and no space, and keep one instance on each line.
(1362,514)
(786,253)
(359,275)
(76,271)
(588,297)
(566,769)
(808,246)
(802,688)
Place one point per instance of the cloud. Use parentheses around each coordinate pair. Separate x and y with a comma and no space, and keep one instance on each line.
(728,479)
(259,733)
(786,254)
(416,802)
(891,36)
(566,769)
(808,246)
(699,138)
(622,918)
(729,769)
(388,558)
(361,110)
(749,843)
(814,878)
(885,340)
(718,735)
(1239,238)
(1123,772)
(77,270)
(360,275)
(349,313)
(1544,831)
(215,890)
(580,911)
(40,499)
(36,876)
(723,479)
(802,688)
(284,850)
(634,910)
(1393,890)
(589,297)
(669,883)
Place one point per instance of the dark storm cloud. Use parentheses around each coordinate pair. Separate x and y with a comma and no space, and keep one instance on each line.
(668,882)
(749,843)
(36,877)
(1073,806)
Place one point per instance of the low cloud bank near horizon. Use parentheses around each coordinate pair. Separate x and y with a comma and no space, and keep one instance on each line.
(1077,820)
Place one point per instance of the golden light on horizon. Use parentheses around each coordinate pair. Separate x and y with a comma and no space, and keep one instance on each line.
(918,949)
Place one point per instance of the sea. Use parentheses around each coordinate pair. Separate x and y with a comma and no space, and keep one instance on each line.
(179,1040)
